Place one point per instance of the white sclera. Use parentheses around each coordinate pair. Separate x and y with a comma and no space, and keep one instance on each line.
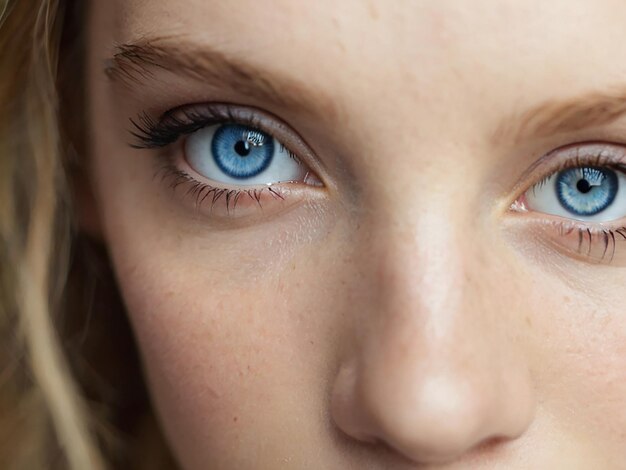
(543,198)
(283,168)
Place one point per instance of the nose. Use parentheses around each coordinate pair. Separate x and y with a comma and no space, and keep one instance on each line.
(435,371)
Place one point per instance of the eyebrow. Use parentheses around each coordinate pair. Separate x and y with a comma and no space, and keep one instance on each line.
(135,63)
(561,117)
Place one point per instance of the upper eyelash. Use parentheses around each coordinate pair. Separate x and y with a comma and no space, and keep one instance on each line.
(151,133)
(598,160)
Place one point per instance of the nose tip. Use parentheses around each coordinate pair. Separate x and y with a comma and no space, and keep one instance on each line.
(439,422)
(433,420)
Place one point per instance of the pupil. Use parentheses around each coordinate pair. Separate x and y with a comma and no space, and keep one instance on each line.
(583,186)
(242,149)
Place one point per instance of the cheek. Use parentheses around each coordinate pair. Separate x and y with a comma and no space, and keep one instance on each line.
(580,332)
(235,338)
(236,328)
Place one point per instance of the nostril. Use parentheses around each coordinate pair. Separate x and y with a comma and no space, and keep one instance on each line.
(345,410)
(490,443)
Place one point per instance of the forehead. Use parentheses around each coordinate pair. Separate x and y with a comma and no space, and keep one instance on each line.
(410,26)
(383,56)
(423,39)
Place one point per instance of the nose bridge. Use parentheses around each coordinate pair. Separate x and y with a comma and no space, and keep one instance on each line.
(432,310)
(421,264)
(433,374)
(430,272)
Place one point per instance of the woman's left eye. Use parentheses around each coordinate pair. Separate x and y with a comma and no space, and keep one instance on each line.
(584,193)
(235,154)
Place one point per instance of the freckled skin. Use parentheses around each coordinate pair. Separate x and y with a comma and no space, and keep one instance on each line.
(393,319)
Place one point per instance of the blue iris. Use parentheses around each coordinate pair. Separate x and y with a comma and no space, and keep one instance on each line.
(586,191)
(242,152)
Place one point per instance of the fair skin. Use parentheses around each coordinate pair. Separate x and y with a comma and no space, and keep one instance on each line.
(401,307)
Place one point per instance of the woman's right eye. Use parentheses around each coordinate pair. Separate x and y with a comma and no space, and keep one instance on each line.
(238,156)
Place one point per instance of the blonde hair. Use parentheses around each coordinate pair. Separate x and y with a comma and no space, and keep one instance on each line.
(45,421)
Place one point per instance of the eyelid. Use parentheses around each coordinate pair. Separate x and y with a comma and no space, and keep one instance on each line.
(582,241)
(230,207)
(186,119)
(601,154)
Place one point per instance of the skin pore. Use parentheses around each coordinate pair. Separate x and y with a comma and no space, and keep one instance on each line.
(403,305)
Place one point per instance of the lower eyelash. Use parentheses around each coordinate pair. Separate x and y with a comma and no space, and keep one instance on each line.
(204,193)
(588,237)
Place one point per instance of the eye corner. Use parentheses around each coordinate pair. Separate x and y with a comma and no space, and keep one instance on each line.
(519,205)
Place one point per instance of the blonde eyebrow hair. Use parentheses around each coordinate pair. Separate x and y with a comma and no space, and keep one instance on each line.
(560,117)
(135,63)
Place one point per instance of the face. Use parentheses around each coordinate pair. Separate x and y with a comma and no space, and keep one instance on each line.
(369,235)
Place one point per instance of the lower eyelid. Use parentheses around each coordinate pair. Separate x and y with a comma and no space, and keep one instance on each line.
(246,205)
(593,243)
